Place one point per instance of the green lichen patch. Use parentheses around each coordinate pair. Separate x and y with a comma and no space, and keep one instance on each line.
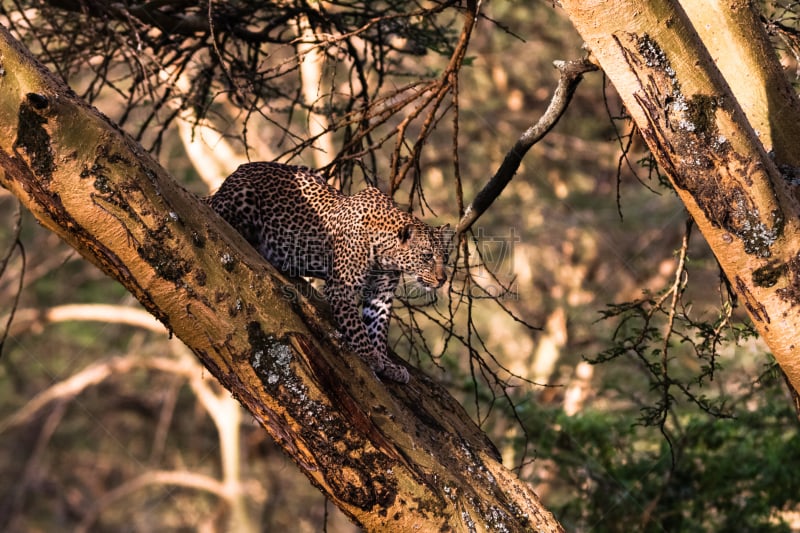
(271,359)
(731,208)
(356,471)
(228,262)
(756,236)
(696,137)
(653,55)
(32,137)
(693,113)
(700,115)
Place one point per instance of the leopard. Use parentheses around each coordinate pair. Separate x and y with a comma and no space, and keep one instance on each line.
(359,245)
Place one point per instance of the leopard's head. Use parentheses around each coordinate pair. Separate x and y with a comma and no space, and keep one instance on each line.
(422,251)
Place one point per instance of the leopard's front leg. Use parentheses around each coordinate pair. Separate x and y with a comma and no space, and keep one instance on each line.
(345,300)
(377,302)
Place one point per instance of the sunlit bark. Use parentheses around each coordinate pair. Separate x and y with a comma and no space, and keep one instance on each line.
(697,127)
(392,457)
(735,38)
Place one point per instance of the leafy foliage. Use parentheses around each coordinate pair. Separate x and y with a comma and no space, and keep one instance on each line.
(730,474)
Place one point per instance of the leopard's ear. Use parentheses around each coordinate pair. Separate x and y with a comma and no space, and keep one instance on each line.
(405,233)
(446,236)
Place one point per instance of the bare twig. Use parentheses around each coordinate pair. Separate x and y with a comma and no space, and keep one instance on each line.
(94,374)
(16,243)
(117,314)
(571,75)
(400,165)
(676,291)
(178,478)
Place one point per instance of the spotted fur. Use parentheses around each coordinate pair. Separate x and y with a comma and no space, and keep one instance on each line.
(358,244)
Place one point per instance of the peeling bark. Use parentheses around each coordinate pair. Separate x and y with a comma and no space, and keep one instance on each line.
(392,457)
(701,137)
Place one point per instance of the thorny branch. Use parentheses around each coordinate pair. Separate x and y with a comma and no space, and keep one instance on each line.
(488,374)
(639,335)
(492,384)
(675,291)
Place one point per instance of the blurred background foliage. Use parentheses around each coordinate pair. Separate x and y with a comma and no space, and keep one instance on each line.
(589,330)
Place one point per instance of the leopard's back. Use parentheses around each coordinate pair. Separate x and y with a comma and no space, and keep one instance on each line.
(283,211)
(305,227)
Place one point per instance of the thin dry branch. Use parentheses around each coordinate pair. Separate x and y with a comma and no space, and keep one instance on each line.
(15,243)
(178,478)
(25,319)
(571,74)
(446,83)
(92,375)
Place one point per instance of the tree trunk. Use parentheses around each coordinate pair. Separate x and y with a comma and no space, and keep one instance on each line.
(401,458)
(694,117)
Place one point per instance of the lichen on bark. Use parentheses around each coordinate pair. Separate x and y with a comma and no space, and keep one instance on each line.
(697,157)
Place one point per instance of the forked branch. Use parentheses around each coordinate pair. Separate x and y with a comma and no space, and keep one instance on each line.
(571,75)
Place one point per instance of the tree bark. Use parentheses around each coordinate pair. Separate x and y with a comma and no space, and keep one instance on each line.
(694,118)
(737,42)
(392,457)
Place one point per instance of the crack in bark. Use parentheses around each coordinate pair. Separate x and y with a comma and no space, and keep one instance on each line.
(32,137)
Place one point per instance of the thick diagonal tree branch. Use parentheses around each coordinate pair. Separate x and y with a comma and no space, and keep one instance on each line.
(698,116)
(392,457)
(571,74)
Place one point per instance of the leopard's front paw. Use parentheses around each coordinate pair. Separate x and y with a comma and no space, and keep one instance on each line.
(395,373)
(376,365)
(373,359)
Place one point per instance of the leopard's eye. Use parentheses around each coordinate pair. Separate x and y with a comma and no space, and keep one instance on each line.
(427,257)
